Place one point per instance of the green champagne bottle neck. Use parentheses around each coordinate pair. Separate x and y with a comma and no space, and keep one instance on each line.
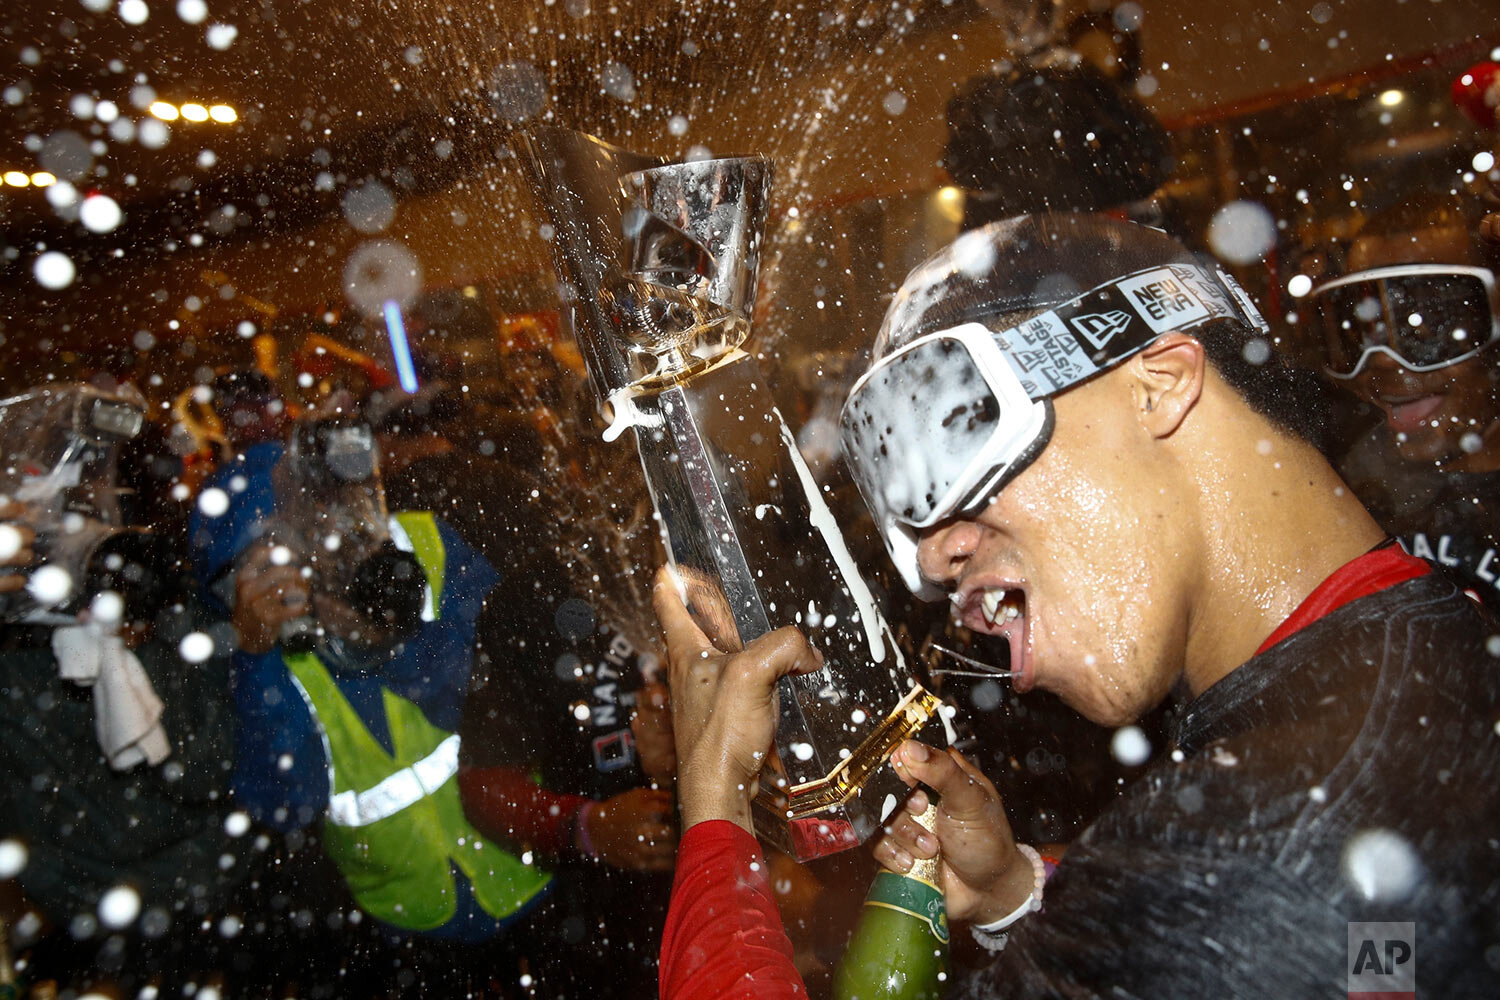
(899,950)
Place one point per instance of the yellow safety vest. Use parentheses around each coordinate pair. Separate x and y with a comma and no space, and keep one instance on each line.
(394,820)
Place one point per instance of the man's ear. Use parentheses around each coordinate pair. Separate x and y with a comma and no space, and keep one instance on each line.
(1168,381)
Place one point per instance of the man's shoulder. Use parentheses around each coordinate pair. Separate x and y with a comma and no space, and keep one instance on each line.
(1378,718)
(1423,637)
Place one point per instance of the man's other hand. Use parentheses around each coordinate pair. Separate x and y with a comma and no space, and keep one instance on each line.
(651,727)
(982,875)
(634,830)
(723,708)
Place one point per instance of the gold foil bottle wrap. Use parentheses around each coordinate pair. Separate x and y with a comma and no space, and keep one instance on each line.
(926,869)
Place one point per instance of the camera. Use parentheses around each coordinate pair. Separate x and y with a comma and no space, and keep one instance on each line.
(60,449)
(370,592)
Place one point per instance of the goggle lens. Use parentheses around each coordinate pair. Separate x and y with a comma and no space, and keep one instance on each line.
(915,427)
(1427,320)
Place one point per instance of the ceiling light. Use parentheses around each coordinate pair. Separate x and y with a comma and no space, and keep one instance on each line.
(223,114)
(166,112)
(16,179)
(1391,98)
(194,112)
(43,179)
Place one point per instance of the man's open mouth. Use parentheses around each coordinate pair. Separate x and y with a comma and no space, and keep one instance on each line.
(1002,606)
(1001,611)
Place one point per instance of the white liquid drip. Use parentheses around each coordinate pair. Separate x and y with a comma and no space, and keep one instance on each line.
(624,415)
(822,519)
(946,712)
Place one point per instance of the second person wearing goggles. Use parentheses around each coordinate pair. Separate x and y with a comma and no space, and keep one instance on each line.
(1414,330)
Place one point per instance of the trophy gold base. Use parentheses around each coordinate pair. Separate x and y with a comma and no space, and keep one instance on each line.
(842,809)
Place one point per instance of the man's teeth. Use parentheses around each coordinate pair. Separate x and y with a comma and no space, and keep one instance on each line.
(997,607)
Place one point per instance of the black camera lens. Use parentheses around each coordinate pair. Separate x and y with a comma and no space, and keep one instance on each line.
(300,635)
(389,588)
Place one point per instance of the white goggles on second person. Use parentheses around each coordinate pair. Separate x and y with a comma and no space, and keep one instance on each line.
(1422,316)
(939,426)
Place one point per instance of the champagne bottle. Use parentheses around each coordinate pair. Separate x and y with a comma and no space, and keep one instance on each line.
(899,950)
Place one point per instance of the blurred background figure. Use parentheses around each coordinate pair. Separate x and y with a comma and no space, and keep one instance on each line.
(1412,329)
(567,745)
(356,631)
(116,742)
(249,409)
(1055,127)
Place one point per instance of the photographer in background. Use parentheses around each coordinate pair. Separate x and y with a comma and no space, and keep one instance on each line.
(356,631)
(115,744)
(587,790)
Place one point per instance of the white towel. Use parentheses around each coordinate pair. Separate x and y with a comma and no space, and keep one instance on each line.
(127,712)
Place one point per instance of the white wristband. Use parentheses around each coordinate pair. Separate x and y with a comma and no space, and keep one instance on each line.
(989,935)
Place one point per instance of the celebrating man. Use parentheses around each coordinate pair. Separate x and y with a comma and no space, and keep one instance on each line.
(1080,434)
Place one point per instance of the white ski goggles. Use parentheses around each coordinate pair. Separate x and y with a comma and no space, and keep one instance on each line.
(1422,316)
(939,426)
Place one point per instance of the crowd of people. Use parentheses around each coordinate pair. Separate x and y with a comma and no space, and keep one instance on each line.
(376,695)
(378,702)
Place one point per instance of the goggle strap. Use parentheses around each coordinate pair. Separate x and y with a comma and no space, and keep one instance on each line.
(1061,347)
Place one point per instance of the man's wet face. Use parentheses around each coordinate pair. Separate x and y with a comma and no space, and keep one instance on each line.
(1079,563)
(1438,416)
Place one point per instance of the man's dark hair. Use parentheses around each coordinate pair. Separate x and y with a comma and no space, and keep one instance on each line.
(1294,398)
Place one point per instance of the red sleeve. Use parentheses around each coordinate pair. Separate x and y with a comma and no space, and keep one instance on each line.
(724,937)
(503,802)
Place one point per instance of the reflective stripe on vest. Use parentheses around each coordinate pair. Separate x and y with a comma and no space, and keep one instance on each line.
(406,787)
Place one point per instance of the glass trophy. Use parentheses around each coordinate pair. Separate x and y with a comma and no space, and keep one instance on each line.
(657,265)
